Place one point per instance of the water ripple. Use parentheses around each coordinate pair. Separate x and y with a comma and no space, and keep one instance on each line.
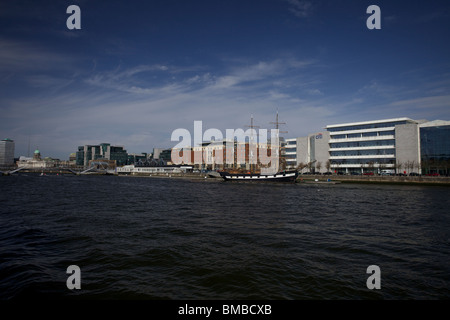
(141,238)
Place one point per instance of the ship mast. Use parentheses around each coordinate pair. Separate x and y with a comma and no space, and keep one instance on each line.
(282,161)
(251,143)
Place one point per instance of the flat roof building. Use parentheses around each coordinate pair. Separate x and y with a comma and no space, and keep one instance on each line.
(435,147)
(398,145)
(7,152)
(101,151)
(312,149)
(371,146)
(291,152)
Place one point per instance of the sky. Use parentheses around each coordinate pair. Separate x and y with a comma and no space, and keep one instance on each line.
(138,70)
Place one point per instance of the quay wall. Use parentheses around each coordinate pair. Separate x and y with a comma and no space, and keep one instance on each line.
(381,179)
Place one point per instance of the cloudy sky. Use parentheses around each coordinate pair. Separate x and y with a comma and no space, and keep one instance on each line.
(138,70)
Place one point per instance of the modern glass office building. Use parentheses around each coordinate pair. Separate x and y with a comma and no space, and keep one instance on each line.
(435,147)
(7,147)
(101,151)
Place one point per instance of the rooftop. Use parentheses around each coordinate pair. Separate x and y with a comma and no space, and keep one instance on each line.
(435,123)
(370,122)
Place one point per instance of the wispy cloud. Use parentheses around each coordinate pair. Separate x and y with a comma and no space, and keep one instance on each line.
(64,103)
(431,106)
(140,106)
(20,56)
(301,8)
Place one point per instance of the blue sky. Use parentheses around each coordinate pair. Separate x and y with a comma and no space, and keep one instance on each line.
(137,70)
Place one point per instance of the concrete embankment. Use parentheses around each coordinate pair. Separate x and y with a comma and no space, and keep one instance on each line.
(424,180)
(409,180)
(195,176)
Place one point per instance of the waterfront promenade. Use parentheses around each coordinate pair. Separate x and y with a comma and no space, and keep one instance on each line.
(379,179)
(413,180)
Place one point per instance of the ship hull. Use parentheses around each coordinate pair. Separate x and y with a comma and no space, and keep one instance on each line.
(285,176)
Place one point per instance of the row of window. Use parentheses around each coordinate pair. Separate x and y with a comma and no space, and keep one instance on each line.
(292,143)
(377,152)
(363,161)
(364,135)
(290,150)
(357,144)
(367,126)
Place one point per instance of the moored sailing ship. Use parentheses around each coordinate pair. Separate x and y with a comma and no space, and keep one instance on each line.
(258,173)
(282,176)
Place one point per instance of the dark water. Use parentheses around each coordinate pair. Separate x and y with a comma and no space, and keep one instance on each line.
(177,239)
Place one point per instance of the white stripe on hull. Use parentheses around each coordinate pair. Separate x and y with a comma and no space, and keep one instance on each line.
(260,177)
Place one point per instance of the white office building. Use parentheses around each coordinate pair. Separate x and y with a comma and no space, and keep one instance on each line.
(312,149)
(372,146)
(290,152)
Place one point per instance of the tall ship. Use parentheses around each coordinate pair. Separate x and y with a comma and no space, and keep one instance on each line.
(258,172)
(281,176)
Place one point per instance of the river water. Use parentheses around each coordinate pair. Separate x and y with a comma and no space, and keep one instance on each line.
(154,238)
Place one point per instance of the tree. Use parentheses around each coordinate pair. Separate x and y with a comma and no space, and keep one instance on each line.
(371,166)
(382,166)
(412,165)
(318,166)
(407,165)
(328,165)
(398,167)
(301,166)
(311,166)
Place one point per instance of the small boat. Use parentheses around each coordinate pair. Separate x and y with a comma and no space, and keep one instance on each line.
(316,181)
(214,174)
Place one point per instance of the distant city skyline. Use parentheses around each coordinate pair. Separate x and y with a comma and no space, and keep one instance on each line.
(138,70)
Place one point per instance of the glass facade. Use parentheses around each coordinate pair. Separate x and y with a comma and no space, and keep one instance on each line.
(102,151)
(435,149)
(166,155)
(357,144)
(367,126)
(352,153)
(80,156)
(363,162)
(7,147)
(290,149)
(118,154)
